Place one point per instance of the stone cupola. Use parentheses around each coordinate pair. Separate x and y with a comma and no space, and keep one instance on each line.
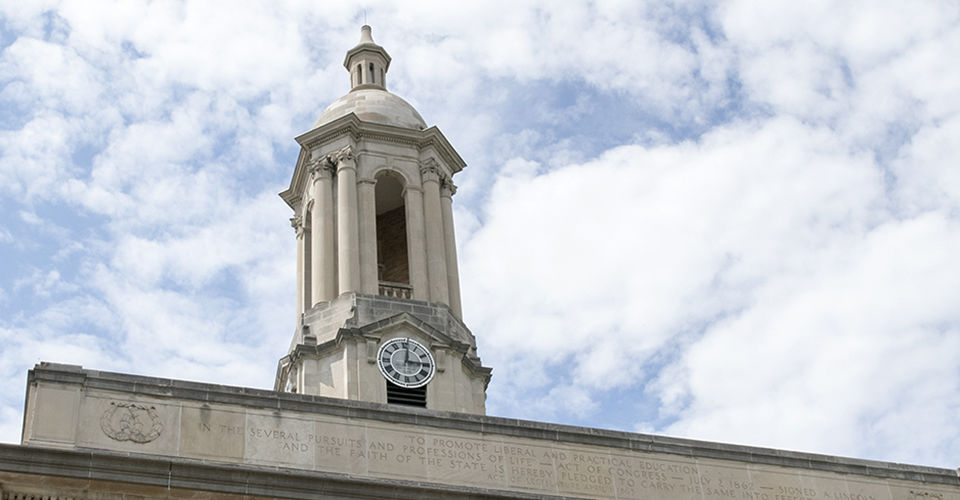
(372,196)
(367,62)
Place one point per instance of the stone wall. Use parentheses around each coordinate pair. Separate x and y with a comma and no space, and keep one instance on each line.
(71,408)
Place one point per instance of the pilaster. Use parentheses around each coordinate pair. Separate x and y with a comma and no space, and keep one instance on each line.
(447,190)
(348,232)
(366,192)
(433,227)
(323,246)
(296,222)
(416,242)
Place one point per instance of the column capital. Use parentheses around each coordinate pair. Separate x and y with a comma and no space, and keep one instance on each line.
(447,187)
(344,159)
(296,222)
(321,167)
(430,170)
(342,155)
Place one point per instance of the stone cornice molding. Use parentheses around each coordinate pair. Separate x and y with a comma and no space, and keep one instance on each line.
(367,47)
(357,129)
(351,126)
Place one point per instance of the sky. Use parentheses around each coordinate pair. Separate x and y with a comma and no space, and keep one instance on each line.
(732,221)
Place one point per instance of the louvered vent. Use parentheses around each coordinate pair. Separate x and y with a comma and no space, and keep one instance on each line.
(402,396)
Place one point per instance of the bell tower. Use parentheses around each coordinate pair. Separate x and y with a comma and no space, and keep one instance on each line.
(378,291)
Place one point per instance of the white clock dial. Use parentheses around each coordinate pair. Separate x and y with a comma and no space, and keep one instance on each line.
(406,362)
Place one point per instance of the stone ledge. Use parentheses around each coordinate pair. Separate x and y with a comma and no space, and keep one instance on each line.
(260,398)
(178,474)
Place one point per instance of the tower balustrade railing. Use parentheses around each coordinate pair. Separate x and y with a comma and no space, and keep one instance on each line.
(398,290)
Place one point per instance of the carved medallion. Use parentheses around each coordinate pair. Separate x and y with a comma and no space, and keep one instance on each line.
(131,422)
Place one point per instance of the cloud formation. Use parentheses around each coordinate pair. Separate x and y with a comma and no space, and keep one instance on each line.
(727,221)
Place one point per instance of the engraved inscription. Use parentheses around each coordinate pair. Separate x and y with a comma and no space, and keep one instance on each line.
(925,495)
(286,440)
(550,469)
(527,465)
(131,422)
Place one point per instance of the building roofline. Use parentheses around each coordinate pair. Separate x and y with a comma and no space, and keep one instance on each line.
(262,398)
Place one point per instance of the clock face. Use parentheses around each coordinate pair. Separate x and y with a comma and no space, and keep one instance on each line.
(406,362)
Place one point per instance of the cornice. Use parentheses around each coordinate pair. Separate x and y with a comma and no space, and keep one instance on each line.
(358,130)
(367,47)
(292,196)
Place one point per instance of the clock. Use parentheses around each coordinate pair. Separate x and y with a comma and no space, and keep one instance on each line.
(406,362)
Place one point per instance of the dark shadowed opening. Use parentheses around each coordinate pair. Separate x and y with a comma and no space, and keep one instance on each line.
(392,264)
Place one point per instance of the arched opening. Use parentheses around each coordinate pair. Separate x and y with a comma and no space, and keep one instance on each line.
(307,261)
(393,270)
(373,74)
(359,74)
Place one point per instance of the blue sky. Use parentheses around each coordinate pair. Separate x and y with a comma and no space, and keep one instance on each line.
(725,220)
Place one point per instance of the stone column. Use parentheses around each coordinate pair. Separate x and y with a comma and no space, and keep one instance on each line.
(366,191)
(433,226)
(416,238)
(447,190)
(348,231)
(322,248)
(296,222)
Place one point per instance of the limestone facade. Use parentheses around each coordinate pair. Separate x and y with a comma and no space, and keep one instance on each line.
(90,434)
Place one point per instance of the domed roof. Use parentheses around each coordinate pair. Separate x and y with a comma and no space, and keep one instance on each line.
(374,105)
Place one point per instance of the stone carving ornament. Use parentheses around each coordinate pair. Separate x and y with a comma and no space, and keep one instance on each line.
(322,166)
(430,170)
(447,187)
(343,154)
(296,222)
(131,422)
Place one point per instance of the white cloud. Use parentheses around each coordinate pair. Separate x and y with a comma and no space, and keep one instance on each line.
(859,344)
(39,72)
(769,262)
(766,253)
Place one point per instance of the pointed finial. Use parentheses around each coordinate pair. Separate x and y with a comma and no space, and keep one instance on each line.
(365,34)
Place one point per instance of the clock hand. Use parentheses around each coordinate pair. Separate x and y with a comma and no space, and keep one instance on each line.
(406,345)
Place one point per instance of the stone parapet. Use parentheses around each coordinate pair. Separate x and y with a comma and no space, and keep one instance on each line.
(32,473)
(468,455)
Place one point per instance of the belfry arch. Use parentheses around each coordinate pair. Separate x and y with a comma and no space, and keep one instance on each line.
(393,264)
